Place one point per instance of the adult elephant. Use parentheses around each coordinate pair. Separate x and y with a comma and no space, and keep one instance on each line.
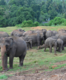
(28,32)
(50,33)
(3,34)
(62,30)
(62,36)
(17,32)
(12,47)
(42,34)
(33,38)
(28,42)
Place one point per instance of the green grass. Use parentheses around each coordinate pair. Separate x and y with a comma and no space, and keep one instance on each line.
(10,29)
(3,77)
(35,58)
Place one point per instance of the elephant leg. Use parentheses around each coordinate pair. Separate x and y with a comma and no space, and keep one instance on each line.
(60,48)
(55,49)
(63,47)
(50,49)
(11,62)
(38,42)
(45,48)
(31,44)
(21,59)
(11,57)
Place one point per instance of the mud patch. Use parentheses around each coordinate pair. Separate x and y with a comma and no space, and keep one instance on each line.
(33,28)
(59,74)
(33,50)
(61,62)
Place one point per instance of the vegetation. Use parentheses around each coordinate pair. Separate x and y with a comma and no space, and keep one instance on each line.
(16,12)
(56,21)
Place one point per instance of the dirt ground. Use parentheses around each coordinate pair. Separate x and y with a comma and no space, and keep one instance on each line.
(41,74)
(38,27)
(59,74)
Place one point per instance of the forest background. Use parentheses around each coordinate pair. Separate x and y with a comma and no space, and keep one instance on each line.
(29,13)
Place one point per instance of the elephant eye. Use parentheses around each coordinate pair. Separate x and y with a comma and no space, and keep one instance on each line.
(7,41)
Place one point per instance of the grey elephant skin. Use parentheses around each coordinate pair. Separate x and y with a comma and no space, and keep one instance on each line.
(35,37)
(12,47)
(17,32)
(50,42)
(50,33)
(3,34)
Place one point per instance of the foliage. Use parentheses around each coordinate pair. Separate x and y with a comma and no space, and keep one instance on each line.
(17,11)
(28,23)
(57,21)
(36,23)
(3,77)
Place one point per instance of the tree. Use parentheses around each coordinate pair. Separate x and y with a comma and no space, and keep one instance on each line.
(2,2)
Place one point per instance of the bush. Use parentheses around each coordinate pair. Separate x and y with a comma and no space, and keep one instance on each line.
(28,23)
(64,23)
(36,23)
(57,21)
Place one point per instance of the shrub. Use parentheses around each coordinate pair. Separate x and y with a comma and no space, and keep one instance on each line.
(64,23)
(57,21)
(28,23)
(36,23)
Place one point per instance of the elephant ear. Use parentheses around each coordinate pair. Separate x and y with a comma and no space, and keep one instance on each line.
(8,41)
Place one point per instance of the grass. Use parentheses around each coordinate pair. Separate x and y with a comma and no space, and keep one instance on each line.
(36,58)
(10,29)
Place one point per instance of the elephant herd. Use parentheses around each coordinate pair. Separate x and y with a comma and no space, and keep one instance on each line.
(17,43)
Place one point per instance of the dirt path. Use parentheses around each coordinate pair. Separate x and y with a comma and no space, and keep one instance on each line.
(59,74)
(40,74)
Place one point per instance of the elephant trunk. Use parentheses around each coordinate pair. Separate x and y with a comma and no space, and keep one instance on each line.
(3,50)
(40,47)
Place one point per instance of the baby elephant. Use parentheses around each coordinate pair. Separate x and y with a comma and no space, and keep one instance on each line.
(50,42)
(60,45)
(56,43)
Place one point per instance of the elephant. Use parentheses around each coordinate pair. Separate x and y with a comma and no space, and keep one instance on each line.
(17,32)
(28,42)
(3,34)
(62,30)
(28,32)
(59,44)
(50,33)
(55,32)
(41,34)
(50,42)
(34,39)
(12,47)
(62,36)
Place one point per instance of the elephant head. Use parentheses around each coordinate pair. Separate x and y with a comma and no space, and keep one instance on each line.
(6,45)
